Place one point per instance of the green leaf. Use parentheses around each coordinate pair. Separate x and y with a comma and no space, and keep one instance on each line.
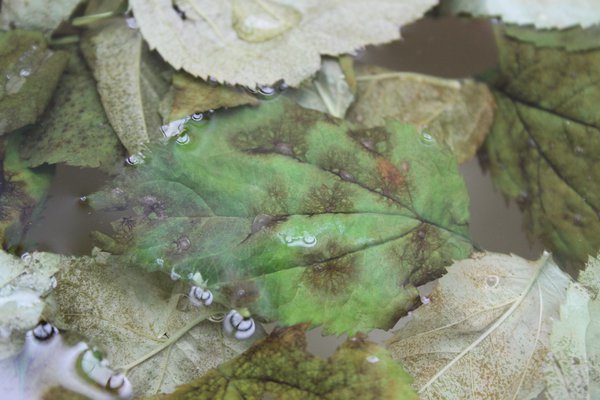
(486,330)
(571,371)
(22,283)
(38,15)
(321,222)
(574,39)
(328,92)
(544,143)
(280,367)
(541,13)
(458,113)
(190,95)
(131,315)
(130,83)
(74,130)
(23,194)
(250,42)
(29,73)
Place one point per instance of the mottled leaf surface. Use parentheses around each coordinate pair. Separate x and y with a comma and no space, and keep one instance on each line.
(74,130)
(540,13)
(572,369)
(250,42)
(486,330)
(29,73)
(544,146)
(279,367)
(458,113)
(297,214)
(39,15)
(573,39)
(128,314)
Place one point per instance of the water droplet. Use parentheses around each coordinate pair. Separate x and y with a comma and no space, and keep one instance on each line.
(492,280)
(183,139)
(53,282)
(83,199)
(135,159)
(25,72)
(425,300)
(197,117)
(426,138)
(309,240)
(289,239)
(373,359)
(160,262)
(131,23)
(174,275)
(26,257)
(265,90)
(44,331)
(174,128)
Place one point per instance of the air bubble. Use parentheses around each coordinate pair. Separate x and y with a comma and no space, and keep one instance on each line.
(265,90)
(309,240)
(160,262)
(425,300)
(131,23)
(197,117)
(492,281)
(174,275)
(25,72)
(183,139)
(44,331)
(426,138)
(135,159)
(373,359)
(26,257)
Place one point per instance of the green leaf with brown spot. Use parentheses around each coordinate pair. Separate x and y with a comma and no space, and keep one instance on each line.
(29,73)
(297,215)
(280,367)
(545,140)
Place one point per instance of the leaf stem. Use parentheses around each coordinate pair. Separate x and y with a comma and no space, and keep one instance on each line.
(89,19)
(543,261)
(451,83)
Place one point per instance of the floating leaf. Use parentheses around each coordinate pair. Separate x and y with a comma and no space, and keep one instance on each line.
(250,42)
(545,140)
(38,15)
(129,315)
(22,282)
(22,196)
(74,130)
(458,113)
(324,223)
(328,92)
(191,95)
(486,330)
(572,370)
(129,82)
(574,39)
(280,367)
(541,13)
(29,73)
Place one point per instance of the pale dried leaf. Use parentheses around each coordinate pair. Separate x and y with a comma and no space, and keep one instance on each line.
(40,15)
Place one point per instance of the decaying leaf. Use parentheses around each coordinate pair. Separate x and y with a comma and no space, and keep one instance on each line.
(545,140)
(128,314)
(328,92)
(261,42)
(22,194)
(39,15)
(458,113)
(129,82)
(573,39)
(29,73)
(540,13)
(279,367)
(296,214)
(486,330)
(572,370)
(22,282)
(74,130)
(191,95)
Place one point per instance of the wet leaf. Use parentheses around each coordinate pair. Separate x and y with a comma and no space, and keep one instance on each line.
(574,39)
(250,42)
(129,82)
(22,282)
(573,365)
(38,15)
(29,73)
(22,195)
(486,330)
(328,92)
(74,130)
(545,140)
(128,315)
(280,367)
(297,215)
(191,95)
(458,113)
(541,13)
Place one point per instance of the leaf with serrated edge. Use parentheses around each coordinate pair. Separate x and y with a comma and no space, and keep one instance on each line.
(250,42)
(486,330)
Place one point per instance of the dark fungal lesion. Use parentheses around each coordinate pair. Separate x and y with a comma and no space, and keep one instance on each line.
(332,277)
(326,198)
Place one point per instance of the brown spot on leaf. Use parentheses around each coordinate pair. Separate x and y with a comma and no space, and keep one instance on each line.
(332,277)
(329,198)
(393,179)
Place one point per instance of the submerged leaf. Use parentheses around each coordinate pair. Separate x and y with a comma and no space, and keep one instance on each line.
(39,15)
(486,330)
(540,13)
(22,283)
(545,140)
(29,73)
(260,42)
(574,39)
(298,215)
(129,314)
(458,113)
(572,370)
(129,82)
(279,367)
(74,130)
